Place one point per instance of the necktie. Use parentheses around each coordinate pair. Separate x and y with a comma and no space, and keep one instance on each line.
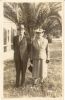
(20,38)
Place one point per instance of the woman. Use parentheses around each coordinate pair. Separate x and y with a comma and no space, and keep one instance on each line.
(39,56)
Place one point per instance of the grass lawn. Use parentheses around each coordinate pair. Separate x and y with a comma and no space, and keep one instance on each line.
(52,86)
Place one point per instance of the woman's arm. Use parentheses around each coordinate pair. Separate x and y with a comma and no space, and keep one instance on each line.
(47,53)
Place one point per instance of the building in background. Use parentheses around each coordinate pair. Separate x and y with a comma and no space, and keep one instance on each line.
(9,30)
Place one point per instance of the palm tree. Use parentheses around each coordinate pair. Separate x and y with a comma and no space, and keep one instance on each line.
(48,16)
(10,11)
(34,15)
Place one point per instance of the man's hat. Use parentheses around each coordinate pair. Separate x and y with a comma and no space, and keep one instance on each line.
(39,30)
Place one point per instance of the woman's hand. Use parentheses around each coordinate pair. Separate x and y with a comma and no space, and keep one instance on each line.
(47,61)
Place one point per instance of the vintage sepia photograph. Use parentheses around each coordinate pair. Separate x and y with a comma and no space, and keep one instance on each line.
(32,46)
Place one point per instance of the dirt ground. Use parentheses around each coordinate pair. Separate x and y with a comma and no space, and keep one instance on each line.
(52,86)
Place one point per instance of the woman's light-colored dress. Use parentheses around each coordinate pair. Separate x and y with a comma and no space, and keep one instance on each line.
(39,56)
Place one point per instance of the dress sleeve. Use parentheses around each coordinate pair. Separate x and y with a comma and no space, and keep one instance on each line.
(47,52)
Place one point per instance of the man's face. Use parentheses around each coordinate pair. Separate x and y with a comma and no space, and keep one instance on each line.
(18,32)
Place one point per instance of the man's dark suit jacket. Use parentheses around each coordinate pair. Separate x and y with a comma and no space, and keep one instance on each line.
(20,49)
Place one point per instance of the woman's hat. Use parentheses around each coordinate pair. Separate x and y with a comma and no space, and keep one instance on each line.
(39,30)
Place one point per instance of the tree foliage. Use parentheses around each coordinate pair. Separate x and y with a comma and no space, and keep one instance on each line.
(34,15)
(49,18)
(45,15)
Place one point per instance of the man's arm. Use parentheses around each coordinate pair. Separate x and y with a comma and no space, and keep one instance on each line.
(13,42)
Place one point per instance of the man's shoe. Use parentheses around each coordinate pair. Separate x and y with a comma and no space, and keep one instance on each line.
(17,85)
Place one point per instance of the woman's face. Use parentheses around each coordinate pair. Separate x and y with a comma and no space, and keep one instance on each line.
(39,35)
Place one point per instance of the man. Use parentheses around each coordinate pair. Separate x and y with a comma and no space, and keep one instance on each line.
(20,54)
(39,56)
